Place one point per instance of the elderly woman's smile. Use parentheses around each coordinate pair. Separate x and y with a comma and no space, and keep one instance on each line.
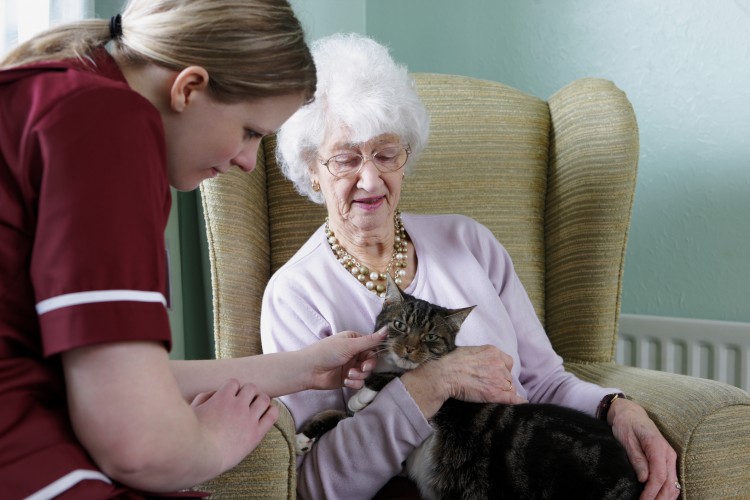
(370,203)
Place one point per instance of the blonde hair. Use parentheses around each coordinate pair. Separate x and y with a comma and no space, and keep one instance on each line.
(250,48)
(360,88)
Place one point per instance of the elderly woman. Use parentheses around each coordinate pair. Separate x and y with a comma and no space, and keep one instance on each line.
(351,149)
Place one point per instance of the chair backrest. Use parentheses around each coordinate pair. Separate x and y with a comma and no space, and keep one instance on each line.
(495,154)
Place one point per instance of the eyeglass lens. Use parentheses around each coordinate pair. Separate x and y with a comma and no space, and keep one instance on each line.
(386,160)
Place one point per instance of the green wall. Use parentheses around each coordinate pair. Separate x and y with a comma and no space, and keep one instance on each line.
(685,65)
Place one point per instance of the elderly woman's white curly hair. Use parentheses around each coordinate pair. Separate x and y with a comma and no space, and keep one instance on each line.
(361,88)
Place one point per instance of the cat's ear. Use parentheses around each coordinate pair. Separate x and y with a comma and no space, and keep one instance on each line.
(393,293)
(456,317)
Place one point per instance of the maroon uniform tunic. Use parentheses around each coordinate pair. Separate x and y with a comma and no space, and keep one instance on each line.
(84,201)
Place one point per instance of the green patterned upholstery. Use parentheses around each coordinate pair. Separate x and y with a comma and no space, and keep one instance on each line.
(555,182)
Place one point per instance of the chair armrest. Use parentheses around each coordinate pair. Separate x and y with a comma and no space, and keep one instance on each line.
(270,471)
(706,422)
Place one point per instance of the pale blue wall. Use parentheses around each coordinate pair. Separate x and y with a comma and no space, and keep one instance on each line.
(685,65)
(325,17)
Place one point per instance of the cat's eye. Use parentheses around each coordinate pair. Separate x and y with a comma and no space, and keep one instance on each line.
(431,337)
(399,325)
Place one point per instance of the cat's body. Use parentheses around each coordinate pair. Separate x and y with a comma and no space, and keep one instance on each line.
(483,451)
(529,451)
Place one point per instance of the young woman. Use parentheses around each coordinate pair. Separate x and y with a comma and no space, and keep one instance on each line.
(97,120)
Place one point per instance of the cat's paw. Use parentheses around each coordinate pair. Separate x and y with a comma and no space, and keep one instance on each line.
(303,444)
(361,399)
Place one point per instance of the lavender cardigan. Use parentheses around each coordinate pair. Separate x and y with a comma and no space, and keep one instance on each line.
(460,263)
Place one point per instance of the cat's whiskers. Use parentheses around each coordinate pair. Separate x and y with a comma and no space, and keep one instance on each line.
(382,350)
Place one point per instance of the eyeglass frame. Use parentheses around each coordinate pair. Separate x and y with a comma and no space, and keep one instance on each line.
(365,159)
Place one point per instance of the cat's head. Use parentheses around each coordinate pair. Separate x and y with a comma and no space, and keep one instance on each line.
(418,331)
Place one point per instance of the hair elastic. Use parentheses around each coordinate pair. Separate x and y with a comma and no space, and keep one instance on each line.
(115,27)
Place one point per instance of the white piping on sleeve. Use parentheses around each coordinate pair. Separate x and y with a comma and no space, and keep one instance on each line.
(66,482)
(74,299)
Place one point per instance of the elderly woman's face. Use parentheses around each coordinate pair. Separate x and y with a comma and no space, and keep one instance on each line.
(361,203)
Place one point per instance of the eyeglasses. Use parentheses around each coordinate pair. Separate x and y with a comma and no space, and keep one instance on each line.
(385,160)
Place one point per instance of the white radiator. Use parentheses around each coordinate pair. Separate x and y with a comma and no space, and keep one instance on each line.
(717,350)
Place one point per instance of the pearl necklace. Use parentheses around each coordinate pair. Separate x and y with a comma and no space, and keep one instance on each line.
(373,280)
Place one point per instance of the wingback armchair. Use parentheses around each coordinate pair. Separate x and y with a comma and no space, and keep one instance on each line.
(554,180)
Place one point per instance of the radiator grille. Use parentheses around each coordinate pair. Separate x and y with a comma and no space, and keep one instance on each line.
(717,350)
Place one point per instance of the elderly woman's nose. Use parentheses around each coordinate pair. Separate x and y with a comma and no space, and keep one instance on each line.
(368,172)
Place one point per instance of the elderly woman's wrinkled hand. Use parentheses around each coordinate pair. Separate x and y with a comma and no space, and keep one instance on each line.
(652,457)
(480,374)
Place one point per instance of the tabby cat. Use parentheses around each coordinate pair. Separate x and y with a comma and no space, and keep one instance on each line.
(483,451)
